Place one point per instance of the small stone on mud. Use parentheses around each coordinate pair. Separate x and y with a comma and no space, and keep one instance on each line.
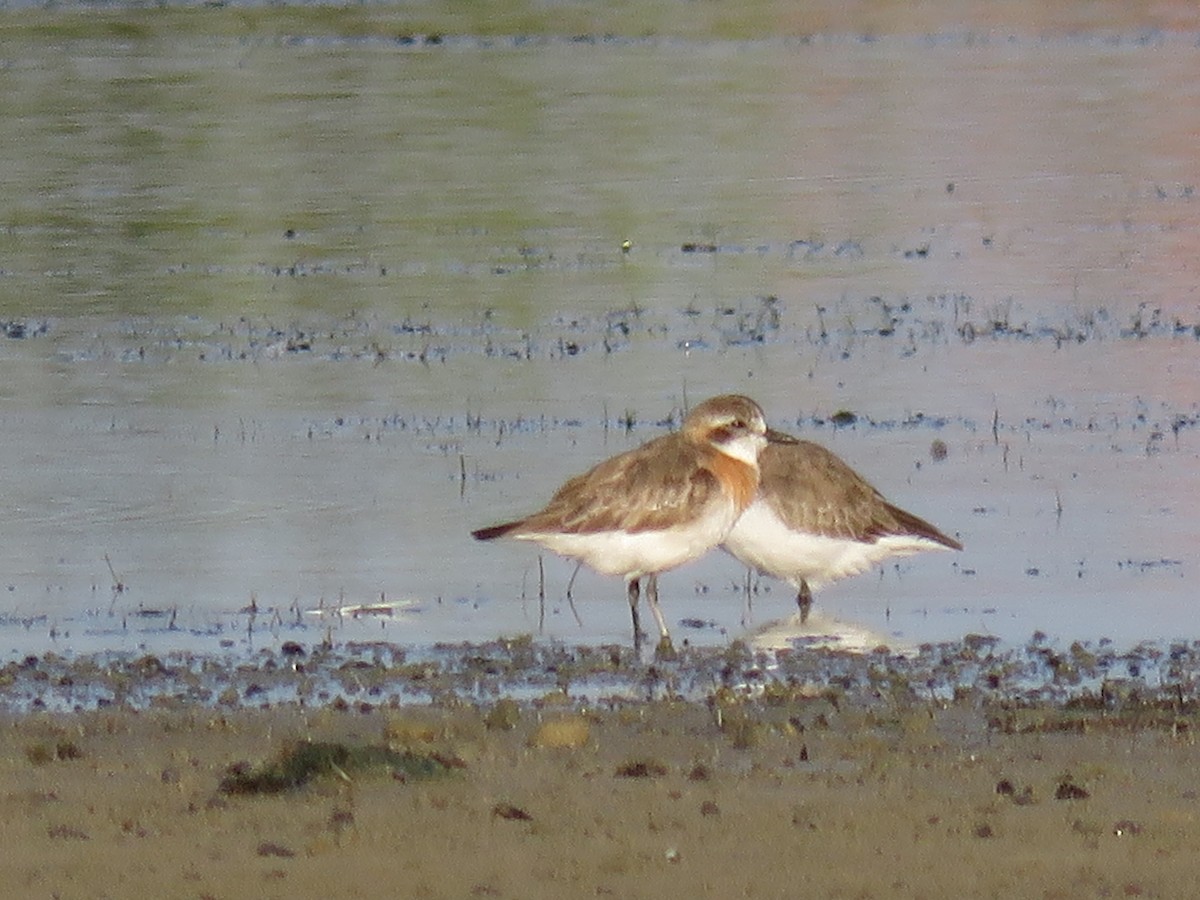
(41,754)
(510,812)
(269,848)
(68,832)
(504,716)
(1069,790)
(404,731)
(641,768)
(743,733)
(570,732)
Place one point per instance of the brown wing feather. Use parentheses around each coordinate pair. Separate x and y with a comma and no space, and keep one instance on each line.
(823,495)
(659,484)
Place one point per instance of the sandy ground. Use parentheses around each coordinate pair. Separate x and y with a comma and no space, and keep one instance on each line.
(787,795)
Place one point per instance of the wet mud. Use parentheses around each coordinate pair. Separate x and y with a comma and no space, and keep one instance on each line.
(819,773)
(255,374)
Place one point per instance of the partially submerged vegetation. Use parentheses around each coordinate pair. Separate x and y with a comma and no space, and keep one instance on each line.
(305,760)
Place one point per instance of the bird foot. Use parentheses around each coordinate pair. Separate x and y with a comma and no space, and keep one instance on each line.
(804,600)
(665,651)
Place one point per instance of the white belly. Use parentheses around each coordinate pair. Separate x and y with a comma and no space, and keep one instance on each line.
(762,541)
(633,555)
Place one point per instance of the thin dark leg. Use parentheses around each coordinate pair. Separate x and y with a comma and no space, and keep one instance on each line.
(570,599)
(804,601)
(634,593)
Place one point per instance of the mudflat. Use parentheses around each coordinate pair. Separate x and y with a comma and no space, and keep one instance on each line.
(790,791)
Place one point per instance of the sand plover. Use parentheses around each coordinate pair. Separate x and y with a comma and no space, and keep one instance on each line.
(655,507)
(816,520)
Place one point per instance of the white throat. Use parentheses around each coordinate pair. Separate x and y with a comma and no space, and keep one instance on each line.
(745,448)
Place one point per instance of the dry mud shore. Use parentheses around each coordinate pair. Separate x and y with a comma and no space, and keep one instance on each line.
(516,770)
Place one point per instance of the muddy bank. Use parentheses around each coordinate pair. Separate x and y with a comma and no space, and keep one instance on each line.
(368,676)
(793,792)
(522,769)
(306,294)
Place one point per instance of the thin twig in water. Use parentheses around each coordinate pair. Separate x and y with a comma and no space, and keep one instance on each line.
(541,595)
(251,613)
(748,606)
(118,586)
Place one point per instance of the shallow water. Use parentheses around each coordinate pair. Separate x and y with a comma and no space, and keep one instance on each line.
(293,303)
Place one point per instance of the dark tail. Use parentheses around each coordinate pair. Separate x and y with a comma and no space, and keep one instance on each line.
(918,527)
(494,531)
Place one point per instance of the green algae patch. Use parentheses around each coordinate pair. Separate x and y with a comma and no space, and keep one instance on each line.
(306,760)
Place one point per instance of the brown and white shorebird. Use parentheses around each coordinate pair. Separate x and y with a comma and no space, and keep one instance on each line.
(816,520)
(657,506)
